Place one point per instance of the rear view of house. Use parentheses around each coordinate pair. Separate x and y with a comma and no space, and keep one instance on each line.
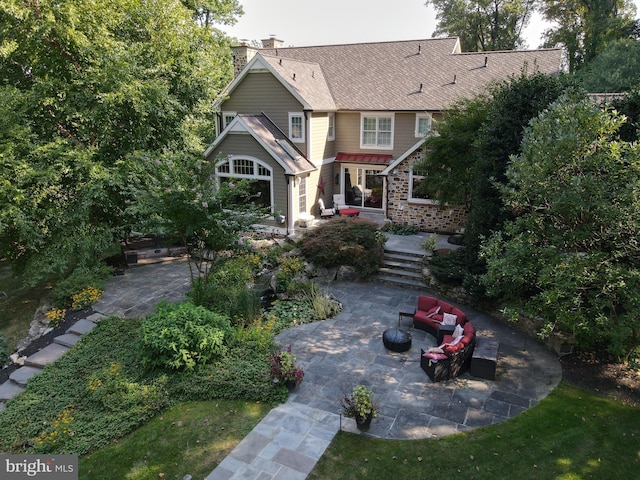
(310,123)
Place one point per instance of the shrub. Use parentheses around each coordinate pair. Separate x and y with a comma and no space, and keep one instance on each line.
(179,337)
(81,279)
(398,229)
(345,241)
(449,268)
(55,316)
(85,298)
(287,270)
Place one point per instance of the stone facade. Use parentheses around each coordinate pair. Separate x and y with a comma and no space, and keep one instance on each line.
(428,218)
(242,54)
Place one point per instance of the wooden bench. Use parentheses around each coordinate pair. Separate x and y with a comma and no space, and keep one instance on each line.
(485,358)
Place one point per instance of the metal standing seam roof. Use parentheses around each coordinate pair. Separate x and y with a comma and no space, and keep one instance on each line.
(370,158)
(413,75)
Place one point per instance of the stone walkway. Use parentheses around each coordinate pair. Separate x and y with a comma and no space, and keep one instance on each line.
(340,353)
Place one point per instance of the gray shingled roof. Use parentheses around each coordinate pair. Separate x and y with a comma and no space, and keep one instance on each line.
(288,155)
(388,75)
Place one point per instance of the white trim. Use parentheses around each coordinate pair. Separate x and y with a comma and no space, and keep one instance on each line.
(303,127)
(402,157)
(230,159)
(331,134)
(377,116)
(415,200)
(224,118)
(258,63)
(429,118)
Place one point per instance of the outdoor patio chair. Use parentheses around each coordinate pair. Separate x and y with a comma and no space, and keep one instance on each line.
(325,212)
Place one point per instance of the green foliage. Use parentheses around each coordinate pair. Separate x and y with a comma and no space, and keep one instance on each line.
(345,241)
(586,27)
(174,194)
(359,404)
(450,268)
(86,84)
(399,229)
(4,350)
(512,106)
(180,337)
(60,397)
(615,69)
(570,255)
(289,267)
(481,25)
(79,280)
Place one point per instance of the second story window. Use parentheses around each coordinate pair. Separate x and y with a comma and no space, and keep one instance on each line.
(331,128)
(423,124)
(296,127)
(377,131)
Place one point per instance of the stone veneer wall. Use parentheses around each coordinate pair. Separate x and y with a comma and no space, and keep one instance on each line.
(242,54)
(428,218)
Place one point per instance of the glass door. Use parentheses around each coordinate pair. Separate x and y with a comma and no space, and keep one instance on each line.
(363,187)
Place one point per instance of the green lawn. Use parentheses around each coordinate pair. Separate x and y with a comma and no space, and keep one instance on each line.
(188,439)
(571,435)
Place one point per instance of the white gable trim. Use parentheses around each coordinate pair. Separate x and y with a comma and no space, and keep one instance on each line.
(257,64)
(402,158)
(236,126)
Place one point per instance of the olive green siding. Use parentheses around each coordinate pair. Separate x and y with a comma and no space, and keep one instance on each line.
(261,93)
(245,144)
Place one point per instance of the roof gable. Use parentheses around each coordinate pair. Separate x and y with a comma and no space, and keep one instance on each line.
(271,138)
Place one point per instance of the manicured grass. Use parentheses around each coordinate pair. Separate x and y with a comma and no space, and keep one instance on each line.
(188,439)
(571,435)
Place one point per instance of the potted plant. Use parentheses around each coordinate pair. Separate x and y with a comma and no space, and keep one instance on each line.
(284,368)
(360,406)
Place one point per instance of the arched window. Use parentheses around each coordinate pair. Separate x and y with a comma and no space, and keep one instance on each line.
(236,167)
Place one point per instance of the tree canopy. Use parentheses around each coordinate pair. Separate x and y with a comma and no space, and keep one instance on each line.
(615,70)
(86,84)
(585,27)
(570,255)
(483,25)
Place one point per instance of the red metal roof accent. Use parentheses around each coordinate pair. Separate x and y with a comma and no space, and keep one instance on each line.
(371,158)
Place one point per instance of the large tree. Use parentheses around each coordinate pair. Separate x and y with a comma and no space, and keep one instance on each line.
(483,25)
(85,84)
(585,27)
(616,69)
(570,256)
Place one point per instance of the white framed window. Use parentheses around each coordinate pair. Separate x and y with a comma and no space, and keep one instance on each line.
(234,168)
(376,131)
(296,127)
(227,117)
(423,124)
(418,178)
(302,194)
(331,128)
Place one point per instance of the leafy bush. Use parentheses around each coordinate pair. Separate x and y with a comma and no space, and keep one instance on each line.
(80,280)
(399,229)
(450,268)
(345,241)
(288,268)
(179,337)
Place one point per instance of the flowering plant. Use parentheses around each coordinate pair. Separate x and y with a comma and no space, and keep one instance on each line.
(359,404)
(284,367)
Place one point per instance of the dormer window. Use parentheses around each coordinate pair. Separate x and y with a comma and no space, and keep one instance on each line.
(377,131)
(423,124)
(296,127)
